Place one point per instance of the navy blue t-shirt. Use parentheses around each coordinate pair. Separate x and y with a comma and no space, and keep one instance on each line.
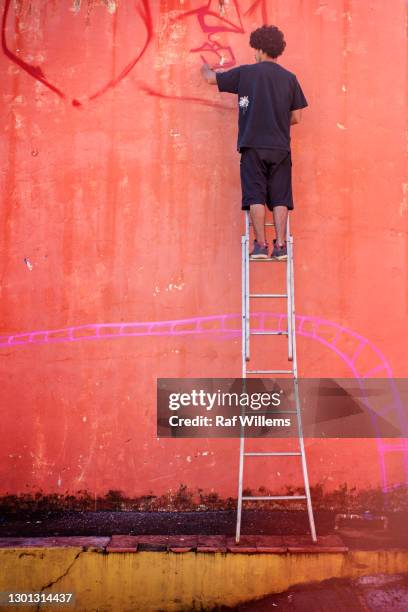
(267,93)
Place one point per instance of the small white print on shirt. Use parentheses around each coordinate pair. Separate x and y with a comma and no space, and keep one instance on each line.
(244,102)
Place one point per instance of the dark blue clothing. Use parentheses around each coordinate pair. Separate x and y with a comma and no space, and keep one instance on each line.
(267,93)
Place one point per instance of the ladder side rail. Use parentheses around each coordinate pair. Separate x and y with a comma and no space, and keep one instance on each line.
(244,273)
(289,292)
(243,305)
(247,309)
(297,402)
(240,484)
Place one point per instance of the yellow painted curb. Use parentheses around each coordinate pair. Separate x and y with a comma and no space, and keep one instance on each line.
(176,582)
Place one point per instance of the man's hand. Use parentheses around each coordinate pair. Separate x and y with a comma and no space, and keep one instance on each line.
(208,74)
(295,116)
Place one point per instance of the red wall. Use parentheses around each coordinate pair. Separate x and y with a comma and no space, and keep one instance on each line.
(120,203)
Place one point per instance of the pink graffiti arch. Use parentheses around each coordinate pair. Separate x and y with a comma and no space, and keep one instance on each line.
(225,326)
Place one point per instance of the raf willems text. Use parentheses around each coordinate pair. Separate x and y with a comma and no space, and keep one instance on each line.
(221,421)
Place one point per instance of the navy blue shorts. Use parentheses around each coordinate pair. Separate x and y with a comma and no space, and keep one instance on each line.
(266,178)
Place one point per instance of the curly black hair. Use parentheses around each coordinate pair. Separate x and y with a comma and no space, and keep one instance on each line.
(268,39)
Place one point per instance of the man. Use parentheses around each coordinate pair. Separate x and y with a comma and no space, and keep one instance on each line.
(270,100)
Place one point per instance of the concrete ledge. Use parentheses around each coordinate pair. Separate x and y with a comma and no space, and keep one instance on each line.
(326,544)
(84,542)
(122,543)
(187,543)
(212,544)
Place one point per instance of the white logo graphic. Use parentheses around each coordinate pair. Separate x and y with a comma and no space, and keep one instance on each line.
(244,102)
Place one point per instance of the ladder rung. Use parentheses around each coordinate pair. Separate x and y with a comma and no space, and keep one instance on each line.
(268,295)
(268,260)
(266,225)
(277,454)
(269,371)
(273,333)
(247,497)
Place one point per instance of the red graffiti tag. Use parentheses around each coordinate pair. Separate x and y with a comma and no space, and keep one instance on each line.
(215,18)
(143,13)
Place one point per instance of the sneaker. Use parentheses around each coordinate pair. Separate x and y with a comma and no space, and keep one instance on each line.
(260,251)
(280,252)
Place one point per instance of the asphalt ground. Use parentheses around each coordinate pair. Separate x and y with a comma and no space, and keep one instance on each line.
(380,593)
(363,535)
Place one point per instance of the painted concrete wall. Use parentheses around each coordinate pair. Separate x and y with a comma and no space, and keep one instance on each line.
(172,581)
(120,204)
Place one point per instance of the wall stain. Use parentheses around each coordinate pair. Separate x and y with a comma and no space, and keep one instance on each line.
(183,499)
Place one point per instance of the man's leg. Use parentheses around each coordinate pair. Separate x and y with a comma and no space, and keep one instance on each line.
(280,217)
(257,214)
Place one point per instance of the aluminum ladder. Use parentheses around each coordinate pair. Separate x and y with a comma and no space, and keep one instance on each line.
(247,296)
